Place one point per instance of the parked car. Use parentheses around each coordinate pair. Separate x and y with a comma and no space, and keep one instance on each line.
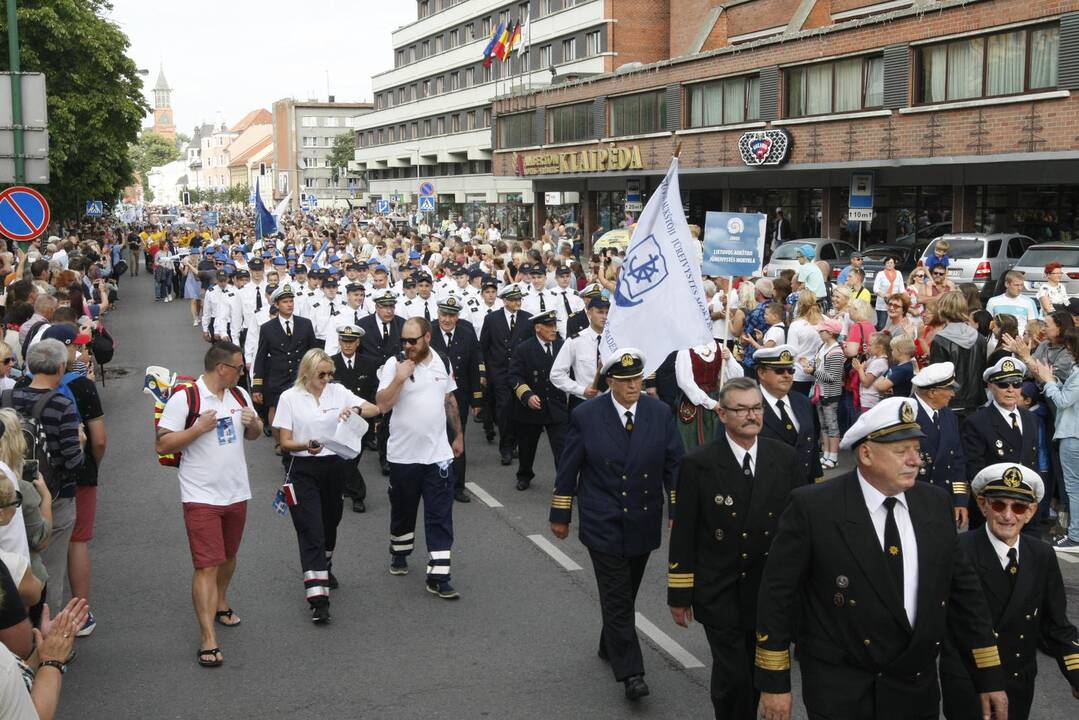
(906,258)
(1034,260)
(923,236)
(980,258)
(834,252)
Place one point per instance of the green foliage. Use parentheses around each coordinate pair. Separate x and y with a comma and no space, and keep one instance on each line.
(235,194)
(95,98)
(343,150)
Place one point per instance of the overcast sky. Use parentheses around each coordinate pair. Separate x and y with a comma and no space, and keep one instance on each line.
(223,58)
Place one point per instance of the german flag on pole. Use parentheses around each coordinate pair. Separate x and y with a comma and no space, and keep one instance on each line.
(501,51)
(515,37)
(489,51)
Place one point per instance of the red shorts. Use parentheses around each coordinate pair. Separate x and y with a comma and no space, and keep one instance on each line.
(85,511)
(214,531)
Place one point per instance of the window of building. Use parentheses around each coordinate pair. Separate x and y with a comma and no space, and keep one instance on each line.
(440,126)
(455,80)
(487,29)
(723,102)
(569,123)
(412,53)
(835,87)
(426,88)
(486,117)
(515,130)
(425,49)
(545,57)
(637,114)
(593,44)
(545,7)
(414,132)
(470,32)
(309,121)
(504,17)
(393,134)
(470,120)
(438,43)
(439,86)
(425,8)
(309,142)
(488,73)
(309,182)
(414,92)
(455,122)
(399,58)
(1002,64)
(427,128)
(330,122)
(470,77)
(453,39)
(326,141)
(381,136)
(569,49)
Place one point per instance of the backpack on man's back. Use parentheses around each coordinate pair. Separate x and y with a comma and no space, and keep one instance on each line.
(37,445)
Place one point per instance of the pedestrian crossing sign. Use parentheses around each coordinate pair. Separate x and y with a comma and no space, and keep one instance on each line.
(427,204)
(95,208)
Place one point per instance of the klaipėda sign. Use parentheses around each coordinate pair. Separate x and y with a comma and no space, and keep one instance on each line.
(605,159)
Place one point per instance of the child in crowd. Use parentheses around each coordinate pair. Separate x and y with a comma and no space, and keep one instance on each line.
(1034,332)
(874,366)
(896,381)
(827,370)
(776,317)
(1030,398)
(939,256)
(856,283)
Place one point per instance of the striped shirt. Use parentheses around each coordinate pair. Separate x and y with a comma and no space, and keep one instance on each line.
(61,424)
(828,370)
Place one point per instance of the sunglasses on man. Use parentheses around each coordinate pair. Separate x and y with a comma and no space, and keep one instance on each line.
(1013,385)
(1018,508)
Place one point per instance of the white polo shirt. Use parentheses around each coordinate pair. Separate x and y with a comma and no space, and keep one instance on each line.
(299,411)
(418,422)
(213,469)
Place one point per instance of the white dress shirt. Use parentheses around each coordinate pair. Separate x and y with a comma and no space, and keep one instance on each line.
(772,400)
(1007,414)
(683,373)
(1001,548)
(621,410)
(578,355)
(740,453)
(874,503)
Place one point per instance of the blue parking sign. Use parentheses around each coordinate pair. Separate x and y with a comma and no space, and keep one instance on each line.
(383,207)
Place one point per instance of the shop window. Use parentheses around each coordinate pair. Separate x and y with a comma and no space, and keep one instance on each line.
(723,102)
(569,123)
(835,87)
(1006,63)
(638,114)
(515,130)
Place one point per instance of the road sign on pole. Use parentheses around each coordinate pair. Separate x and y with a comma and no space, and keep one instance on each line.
(427,188)
(860,201)
(24,213)
(383,207)
(427,204)
(95,208)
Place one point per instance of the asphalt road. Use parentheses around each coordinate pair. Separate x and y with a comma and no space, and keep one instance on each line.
(519,644)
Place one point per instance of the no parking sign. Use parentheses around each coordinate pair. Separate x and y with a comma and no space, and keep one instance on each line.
(24,213)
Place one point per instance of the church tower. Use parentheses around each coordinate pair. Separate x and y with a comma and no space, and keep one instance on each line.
(163,120)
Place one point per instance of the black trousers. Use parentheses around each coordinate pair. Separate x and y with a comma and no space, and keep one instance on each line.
(383,435)
(316,515)
(489,416)
(618,579)
(528,440)
(507,432)
(733,695)
(354,485)
(408,484)
(460,464)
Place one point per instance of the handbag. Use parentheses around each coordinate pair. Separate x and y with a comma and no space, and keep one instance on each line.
(687,411)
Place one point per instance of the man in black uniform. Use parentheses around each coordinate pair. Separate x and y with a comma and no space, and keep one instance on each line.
(1003,430)
(538,404)
(502,332)
(868,567)
(382,340)
(456,339)
(943,463)
(282,344)
(731,492)
(359,374)
(578,321)
(788,416)
(1025,592)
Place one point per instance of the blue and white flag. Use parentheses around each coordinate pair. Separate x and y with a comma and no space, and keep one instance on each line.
(264,221)
(659,305)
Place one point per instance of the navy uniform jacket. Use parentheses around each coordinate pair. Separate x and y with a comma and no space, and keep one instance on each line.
(373,346)
(277,359)
(943,463)
(466,360)
(577,322)
(826,574)
(988,438)
(497,342)
(1034,612)
(724,524)
(530,374)
(619,478)
(362,379)
(805,442)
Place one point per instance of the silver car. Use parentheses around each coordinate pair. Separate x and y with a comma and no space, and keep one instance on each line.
(834,252)
(980,258)
(1034,260)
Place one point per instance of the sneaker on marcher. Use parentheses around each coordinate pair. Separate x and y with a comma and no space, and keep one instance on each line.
(88,627)
(398,565)
(443,588)
(1066,544)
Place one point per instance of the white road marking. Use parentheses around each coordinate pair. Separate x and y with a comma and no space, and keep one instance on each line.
(1068,557)
(483,495)
(559,557)
(666,642)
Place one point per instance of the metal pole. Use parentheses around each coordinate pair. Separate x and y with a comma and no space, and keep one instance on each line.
(16,90)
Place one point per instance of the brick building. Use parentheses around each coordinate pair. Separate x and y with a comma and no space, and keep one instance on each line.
(963,110)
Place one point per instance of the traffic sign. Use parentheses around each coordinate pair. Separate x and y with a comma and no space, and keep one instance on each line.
(860,214)
(427,204)
(95,208)
(427,189)
(383,207)
(861,191)
(24,213)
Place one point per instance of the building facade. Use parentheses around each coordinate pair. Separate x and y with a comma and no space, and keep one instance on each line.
(303,134)
(432,118)
(962,110)
(164,120)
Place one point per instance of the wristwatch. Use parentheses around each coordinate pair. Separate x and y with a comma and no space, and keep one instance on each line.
(54,664)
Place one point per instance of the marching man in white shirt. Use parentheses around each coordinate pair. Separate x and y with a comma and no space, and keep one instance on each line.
(574,369)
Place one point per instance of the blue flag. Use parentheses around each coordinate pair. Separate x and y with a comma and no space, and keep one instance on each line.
(264,219)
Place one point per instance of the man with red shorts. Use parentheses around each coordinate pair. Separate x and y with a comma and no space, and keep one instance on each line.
(213,482)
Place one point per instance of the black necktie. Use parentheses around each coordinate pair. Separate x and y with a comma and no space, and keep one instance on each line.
(258,299)
(783,416)
(513,322)
(565,302)
(893,547)
(936,418)
(629,421)
(356,316)
(543,305)
(449,339)
(348,363)
(1013,566)
(288,328)
(599,362)
(333,310)
(747,466)
(426,312)
(547,346)
(385,331)
(1015,421)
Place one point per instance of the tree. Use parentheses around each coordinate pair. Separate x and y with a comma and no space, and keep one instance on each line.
(149,151)
(343,151)
(94,94)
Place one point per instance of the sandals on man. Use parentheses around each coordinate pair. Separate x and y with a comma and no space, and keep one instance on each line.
(213,661)
(226,614)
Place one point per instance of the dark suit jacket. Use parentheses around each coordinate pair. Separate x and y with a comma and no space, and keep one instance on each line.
(805,442)
(1034,612)
(277,359)
(618,478)
(466,360)
(373,346)
(362,379)
(497,342)
(530,374)
(943,462)
(576,322)
(988,438)
(718,547)
(827,573)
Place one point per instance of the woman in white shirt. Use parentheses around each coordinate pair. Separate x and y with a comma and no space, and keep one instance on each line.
(700,373)
(804,337)
(888,282)
(316,474)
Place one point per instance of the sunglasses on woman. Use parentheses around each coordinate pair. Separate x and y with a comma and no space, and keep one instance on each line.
(1018,508)
(8,361)
(17,502)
